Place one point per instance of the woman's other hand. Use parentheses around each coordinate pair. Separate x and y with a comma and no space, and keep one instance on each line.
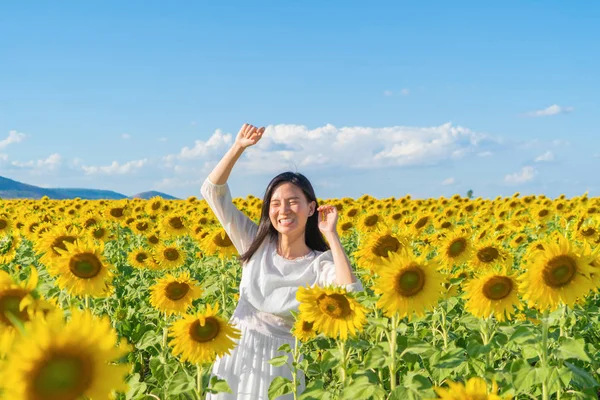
(249,135)
(328,216)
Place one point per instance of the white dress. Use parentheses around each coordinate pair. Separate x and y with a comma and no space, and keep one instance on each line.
(267,295)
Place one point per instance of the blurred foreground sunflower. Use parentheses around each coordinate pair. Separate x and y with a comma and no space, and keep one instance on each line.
(65,360)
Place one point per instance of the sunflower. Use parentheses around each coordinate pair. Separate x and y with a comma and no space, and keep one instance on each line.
(488,252)
(8,248)
(476,388)
(519,239)
(421,223)
(143,226)
(345,227)
(494,292)
(217,242)
(333,311)
(304,330)
(89,219)
(99,232)
(72,360)
(140,258)
(5,224)
(201,337)
(369,221)
(377,247)
(408,284)
(174,294)
(55,240)
(174,225)
(154,205)
(589,231)
(456,248)
(169,256)
(11,296)
(555,275)
(117,211)
(81,269)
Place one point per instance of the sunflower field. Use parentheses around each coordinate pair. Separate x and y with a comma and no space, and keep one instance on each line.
(464,299)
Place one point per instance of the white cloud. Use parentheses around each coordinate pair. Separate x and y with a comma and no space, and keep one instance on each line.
(215,146)
(162,139)
(3,157)
(485,154)
(13,137)
(126,136)
(554,109)
(115,168)
(526,174)
(51,162)
(405,92)
(547,156)
(448,181)
(387,93)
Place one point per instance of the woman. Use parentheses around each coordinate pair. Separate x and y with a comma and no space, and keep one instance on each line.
(285,251)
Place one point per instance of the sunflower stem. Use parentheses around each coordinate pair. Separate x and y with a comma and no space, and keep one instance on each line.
(343,364)
(443,327)
(223,277)
(545,352)
(393,335)
(199,378)
(87,302)
(295,369)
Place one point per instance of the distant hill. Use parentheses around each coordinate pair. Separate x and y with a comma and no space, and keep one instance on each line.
(151,194)
(10,189)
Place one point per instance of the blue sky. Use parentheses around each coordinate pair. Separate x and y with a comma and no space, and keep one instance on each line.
(385,98)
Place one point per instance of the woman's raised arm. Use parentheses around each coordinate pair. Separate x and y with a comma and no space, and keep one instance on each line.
(215,190)
(248,136)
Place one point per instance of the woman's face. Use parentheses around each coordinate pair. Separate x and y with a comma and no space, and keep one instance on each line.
(289,208)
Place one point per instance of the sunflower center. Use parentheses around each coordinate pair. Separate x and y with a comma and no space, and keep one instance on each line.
(222,240)
(346,226)
(206,332)
(307,326)
(155,206)
(99,233)
(411,281)
(457,247)
(3,224)
(9,303)
(62,376)
(153,239)
(497,287)
(141,226)
(371,220)
(175,223)
(543,213)
(60,243)
(421,222)
(85,265)
(588,232)
(335,305)
(352,212)
(176,290)
(560,271)
(488,254)
(386,244)
(141,257)
(171,254)
(117,212)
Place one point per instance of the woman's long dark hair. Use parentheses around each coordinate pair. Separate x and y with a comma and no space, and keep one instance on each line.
(313,237)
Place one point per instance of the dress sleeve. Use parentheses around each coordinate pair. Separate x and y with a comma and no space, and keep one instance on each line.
(240,229)
(326,274)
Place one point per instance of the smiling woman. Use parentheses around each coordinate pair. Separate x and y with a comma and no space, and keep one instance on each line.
(295,244)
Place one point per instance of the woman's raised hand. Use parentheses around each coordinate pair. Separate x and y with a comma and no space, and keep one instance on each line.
(249,135)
